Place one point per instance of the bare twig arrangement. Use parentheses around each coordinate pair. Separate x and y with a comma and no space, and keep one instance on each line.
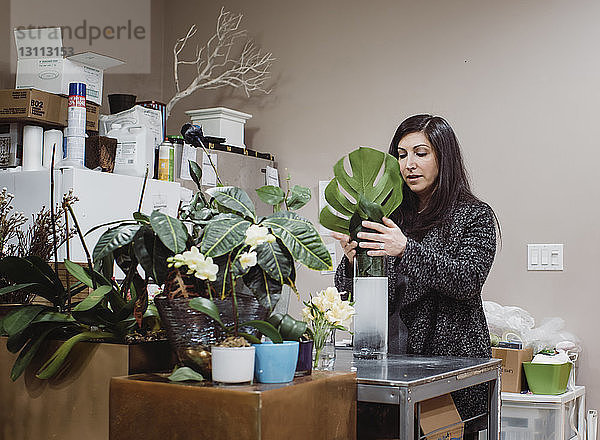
(217,67)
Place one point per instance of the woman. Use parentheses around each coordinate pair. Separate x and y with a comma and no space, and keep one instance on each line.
(440,244)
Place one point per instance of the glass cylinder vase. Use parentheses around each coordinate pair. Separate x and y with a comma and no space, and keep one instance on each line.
(371,307)
(324,349)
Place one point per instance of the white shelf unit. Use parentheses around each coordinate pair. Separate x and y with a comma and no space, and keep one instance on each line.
(543,417)
(103,197)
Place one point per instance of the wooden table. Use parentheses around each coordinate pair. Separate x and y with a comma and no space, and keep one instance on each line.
(148,406)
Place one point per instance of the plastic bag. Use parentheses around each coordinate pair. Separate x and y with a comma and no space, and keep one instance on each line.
(514,323)
(507,321)
(550,334)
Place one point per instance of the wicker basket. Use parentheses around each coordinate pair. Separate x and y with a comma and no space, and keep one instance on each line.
(191,333)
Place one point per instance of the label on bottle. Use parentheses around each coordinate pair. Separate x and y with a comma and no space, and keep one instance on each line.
(125,153)
(163,169)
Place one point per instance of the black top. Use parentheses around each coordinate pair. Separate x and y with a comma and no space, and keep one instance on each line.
(435,288)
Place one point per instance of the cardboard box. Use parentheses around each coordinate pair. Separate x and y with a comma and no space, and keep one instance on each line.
(513,377)
(440,419)
(36,106)
(44,64)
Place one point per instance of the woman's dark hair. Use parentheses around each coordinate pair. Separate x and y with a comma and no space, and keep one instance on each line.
(452,183)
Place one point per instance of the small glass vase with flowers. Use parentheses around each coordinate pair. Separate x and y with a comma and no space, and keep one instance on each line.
(325,313)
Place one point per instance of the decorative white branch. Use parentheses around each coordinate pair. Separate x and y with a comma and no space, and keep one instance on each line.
(216,66)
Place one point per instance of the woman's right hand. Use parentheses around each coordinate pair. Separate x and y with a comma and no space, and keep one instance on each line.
(348,246)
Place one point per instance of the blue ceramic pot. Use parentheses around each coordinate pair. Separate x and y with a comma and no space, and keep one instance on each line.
(275,363)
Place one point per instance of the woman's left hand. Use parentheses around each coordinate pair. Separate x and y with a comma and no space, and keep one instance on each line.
(389,239)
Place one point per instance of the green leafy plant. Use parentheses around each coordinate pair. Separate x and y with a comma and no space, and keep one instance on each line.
(292,199)
(372,191)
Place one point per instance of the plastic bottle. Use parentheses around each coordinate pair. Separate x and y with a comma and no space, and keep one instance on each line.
(135,150)
(166,161)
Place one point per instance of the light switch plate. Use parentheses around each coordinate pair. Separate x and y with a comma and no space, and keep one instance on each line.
(544,257)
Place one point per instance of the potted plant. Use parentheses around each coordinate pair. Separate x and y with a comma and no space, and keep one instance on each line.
(325,313)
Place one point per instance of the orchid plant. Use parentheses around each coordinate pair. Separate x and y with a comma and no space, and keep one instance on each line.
(324,313)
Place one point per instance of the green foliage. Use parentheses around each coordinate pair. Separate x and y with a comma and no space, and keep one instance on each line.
(171,231)
(223,234)
(301,239)
(183,374)
(362,188)
(289,328)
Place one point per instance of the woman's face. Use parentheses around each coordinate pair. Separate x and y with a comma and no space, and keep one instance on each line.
(418,164)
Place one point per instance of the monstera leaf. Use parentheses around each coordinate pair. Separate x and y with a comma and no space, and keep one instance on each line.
(363,184)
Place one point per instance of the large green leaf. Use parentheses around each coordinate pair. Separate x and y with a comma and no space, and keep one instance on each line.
(207,307)
(265,289)
(33,270)
(224,233)
(79,272)
(366,164)
(275,260)
(18,320)
(93,299)
(171,231)
(113,239)
(266,329)
(17,287)
(152,254)
(233,199)
(52,365)
(300,238)
(28,353)
(299,196)
(271,194)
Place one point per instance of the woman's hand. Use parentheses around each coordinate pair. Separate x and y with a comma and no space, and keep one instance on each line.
(389,239)
(348,246)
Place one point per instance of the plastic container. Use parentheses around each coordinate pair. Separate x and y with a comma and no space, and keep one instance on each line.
(135,150)
(547,378)
(542,417)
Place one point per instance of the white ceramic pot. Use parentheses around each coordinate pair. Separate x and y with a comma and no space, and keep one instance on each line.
(232,364)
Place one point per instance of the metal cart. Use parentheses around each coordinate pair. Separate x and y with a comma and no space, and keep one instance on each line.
(407,380)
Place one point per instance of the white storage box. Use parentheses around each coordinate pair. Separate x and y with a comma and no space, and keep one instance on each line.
(44,64)
(543,417)
(221,122)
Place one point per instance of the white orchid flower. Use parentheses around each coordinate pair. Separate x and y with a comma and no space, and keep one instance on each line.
(256,235)
(248,259)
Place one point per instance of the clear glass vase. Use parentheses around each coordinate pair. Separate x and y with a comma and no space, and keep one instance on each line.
(324,349)
(371,306)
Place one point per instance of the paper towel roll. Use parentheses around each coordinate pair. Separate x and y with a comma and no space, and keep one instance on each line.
(52,137)
(32,147)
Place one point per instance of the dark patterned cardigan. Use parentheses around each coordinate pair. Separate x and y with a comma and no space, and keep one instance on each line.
(435,304)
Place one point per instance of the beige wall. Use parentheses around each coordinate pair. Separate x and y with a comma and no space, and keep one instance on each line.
(517,79)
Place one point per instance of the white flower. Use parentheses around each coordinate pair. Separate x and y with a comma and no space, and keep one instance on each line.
(331,295)
(319,303)
(307,314)
(206,270)
(256,235)
(197,264)
(248,259)
(340,313)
